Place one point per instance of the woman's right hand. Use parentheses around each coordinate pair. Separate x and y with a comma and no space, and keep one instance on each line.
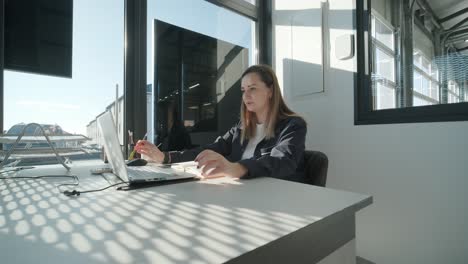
(148,149)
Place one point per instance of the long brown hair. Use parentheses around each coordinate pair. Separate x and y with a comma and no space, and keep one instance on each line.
(278,109)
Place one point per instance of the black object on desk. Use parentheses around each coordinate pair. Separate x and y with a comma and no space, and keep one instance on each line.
(137,162)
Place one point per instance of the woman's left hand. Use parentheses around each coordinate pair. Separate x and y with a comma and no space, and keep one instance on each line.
(214,165)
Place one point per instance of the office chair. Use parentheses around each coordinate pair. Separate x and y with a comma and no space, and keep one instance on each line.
(316,167)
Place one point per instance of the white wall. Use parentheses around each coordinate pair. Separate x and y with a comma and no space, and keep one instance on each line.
(417,173)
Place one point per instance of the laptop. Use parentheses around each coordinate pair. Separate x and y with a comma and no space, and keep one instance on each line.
(140,174)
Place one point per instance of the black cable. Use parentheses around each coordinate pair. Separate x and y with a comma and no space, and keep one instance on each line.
(67,192)
(77,193)
(74,177)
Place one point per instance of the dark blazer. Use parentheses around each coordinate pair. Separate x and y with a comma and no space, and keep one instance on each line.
(279,157)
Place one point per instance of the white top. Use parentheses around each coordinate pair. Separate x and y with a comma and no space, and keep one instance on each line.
(259,135)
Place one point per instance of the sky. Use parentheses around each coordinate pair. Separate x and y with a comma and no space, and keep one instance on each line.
(98,60)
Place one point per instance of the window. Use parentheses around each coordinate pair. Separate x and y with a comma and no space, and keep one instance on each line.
(195,61)
(68,107)
(411,64)
(100,82)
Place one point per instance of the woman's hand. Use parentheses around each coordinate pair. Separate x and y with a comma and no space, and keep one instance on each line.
(150,150)
(214,165)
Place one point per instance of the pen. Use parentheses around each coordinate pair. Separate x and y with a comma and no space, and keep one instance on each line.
(132,154)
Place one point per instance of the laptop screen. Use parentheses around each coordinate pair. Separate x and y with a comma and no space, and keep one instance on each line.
(112,145)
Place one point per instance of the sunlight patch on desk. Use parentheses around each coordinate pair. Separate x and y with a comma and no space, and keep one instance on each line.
(221,181)
(223,238)
(178,229)
(43,204)
(181,221)
(218,219)
(113,217)
(36,197)
(149,216)
(93,232)
(77,219)
(252,215)
(22,228)
(208,255)
(187,209)
(137,231)
(64,226)
(175,238)
(38,220)
(62,246)
(31,238)
(54,200)
(49,235)
(74,203)
(253,239)
(86,212)
(151,254)
(96,207)
(173,251)
(143,222)
(100,257)
(219,228)
(20,194)
(189,204)
(128,240)
(259,233)
(259,226)
(105,224)
(184,214)
(11,205)
(25,201)
(51,213)
(284,220)
(16,215)
(46,194)
(80,243)
(64,208)
(220,249)
(162,206)
(122,212)
(117,252)
(218,210)
(8,198)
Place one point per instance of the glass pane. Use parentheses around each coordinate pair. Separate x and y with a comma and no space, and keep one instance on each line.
(384,34)
(384,97)
(68,107)
(197,52)
(385,65)
(253,2)
(417,82)
(439,73)
(419,101)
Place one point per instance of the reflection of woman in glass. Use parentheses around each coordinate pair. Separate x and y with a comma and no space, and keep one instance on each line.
(268,141)
(177,137)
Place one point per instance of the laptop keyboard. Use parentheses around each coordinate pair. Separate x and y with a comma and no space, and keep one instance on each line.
(143,172)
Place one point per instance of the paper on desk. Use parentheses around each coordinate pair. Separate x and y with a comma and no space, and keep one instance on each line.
(187,167)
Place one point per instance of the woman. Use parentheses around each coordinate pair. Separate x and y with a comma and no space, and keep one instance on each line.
(268,141)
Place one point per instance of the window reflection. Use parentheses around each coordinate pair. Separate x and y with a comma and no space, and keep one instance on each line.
(198,86)
(435,35)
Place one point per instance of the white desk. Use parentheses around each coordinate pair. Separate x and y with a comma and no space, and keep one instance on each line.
(262,220)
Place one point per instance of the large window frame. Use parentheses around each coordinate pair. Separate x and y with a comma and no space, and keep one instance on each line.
(363,101)
(135,54)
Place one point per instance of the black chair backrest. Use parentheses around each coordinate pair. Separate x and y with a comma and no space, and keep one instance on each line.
(316,167)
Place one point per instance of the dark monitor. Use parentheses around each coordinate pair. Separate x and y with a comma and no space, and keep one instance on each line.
(38,36)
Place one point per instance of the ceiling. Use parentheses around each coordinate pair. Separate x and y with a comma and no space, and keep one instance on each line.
(444,8)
